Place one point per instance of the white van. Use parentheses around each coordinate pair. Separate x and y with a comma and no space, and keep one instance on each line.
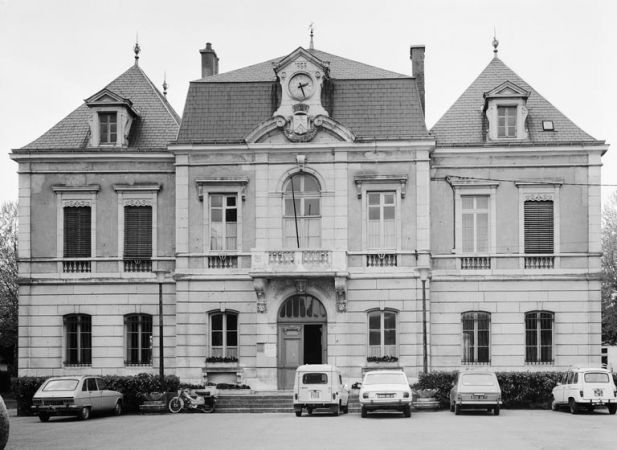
(320,386)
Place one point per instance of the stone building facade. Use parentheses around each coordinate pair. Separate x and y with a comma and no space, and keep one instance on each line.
(302,212)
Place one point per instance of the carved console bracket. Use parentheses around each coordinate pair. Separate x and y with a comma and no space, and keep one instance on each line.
(260,285)
(340,285)
(301,285)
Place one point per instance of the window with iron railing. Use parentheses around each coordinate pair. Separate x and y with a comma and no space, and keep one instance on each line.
(77,238)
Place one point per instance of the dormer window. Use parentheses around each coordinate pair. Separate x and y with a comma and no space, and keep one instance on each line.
(506,113)
(111,120)
(108,128)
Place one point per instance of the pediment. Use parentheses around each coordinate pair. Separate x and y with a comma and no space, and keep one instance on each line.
(301,53)
(507,90)
(106,98)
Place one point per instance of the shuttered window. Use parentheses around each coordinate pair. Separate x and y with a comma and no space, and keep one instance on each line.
(77,232)
(539,227)
(138,232)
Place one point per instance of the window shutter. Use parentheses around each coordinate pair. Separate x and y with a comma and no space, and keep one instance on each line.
(539,227)
(77,232)
(138,232)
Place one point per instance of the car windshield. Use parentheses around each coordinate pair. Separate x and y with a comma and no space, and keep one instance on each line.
(596,377)
(61,385)
(478,379)
(385,378)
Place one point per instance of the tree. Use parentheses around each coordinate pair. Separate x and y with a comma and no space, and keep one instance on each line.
(8,282)
(609,271)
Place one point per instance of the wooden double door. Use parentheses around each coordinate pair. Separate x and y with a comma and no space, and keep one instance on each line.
(301,336)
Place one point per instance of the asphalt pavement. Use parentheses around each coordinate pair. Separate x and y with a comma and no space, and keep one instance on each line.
(513,429)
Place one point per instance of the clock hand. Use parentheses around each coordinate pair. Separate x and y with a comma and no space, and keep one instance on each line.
(301,86)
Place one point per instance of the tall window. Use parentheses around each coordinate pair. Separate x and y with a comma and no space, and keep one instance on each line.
(224,335)
(108,128)
(138,238)
(381,220)
(539,337)
(475,224)
(77,232)
(506,121)
(138,339)
(302,217)
(223,222)
(382,334)
(78,328)
(476,337)
(539,226)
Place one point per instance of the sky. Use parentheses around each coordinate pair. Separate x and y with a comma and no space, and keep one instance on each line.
(56,53)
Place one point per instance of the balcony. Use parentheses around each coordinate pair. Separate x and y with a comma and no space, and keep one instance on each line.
(306,262)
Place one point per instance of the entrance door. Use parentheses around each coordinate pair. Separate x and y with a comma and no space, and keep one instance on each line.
(301,336)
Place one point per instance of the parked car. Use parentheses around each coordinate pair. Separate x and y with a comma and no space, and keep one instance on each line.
(74,396)
(320,386)
(475,389)
(385,390)
(585,387)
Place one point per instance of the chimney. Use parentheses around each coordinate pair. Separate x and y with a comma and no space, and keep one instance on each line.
(209,61)
(417,70)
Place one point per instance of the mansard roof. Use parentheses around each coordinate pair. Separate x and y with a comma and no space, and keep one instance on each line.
(464,123)
(156,126)
(373,103)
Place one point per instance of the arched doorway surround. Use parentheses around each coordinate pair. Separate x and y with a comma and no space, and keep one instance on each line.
(301,322)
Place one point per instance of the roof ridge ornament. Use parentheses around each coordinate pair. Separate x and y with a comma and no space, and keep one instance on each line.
(312,28)
(165,84)
(137,49)
(495,43)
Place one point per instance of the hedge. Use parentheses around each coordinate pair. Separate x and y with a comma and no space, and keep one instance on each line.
(24,389)
(524,390)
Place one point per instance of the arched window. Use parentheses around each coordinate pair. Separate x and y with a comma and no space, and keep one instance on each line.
(78,329)
(138,339)
(539,337)
(476,337)
(302,307)
(302,217)
(382,340)
(224,335)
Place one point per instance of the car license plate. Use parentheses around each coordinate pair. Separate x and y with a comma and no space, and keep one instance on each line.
(315,394)
(478,397)
(385,395)
(598,392)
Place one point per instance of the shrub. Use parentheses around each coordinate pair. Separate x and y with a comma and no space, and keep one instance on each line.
(23,389)
(528,390)
(5,381)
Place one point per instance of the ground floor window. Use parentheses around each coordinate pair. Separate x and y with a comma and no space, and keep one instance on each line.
(539,337)
(78,329)
(224,335)
(382,334)
(476,337)
(138,339)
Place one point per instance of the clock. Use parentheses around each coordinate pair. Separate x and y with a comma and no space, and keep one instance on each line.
(301,86)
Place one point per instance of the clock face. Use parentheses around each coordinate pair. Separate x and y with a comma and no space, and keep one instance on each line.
(301,86)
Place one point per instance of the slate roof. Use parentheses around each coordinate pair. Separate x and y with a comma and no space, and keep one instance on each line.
(374,103)
(463,124)
(156,127)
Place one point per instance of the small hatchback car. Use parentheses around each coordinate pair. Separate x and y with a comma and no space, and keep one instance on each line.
(477,389)
(386,390)
(74,396)
(585,387)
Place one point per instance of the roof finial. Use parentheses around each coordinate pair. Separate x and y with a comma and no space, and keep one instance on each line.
(312,28)
(137,49)
(165,84)
(495,42)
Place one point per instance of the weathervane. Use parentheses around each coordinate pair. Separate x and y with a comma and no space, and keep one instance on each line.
(312,28)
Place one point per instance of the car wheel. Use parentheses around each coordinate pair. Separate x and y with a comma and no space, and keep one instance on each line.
(298,413)
(407,411)
(363,412)
(612,409)
(496,410)
(457,409)
(84,414)
(118,409)
(44,417)
(573,406)
(310,411)
(346,409)
(554,406)
(336,409)
(590,408)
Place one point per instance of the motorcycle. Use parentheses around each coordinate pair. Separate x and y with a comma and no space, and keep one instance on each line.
(202,401)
